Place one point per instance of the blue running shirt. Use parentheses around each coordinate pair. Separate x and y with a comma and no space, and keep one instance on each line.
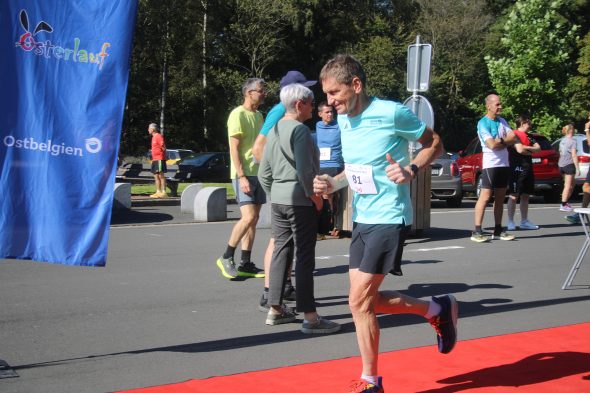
(328,137)
(274,115)
(384,127)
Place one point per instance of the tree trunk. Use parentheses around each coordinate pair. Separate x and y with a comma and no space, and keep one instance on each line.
(204,63)
(164,82)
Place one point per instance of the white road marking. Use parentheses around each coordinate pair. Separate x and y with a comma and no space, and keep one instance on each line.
(434,249)
(471,210)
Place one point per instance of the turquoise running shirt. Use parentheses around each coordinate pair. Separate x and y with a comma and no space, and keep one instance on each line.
(486,129)
(384,127)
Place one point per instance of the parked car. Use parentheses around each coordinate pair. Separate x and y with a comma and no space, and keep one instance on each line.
(172,155)
(175,155)
(446,180)
(204,167)
(548,181)
(583,153)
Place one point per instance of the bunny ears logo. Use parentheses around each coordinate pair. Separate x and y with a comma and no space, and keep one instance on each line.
(49,50)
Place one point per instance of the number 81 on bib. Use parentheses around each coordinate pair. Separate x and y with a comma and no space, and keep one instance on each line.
(360,178)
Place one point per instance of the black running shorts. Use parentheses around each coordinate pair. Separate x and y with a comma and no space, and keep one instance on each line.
(377,248)
(495,177)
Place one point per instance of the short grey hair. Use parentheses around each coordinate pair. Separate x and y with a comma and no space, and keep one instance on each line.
(154,126)
(292,93)
(252,84)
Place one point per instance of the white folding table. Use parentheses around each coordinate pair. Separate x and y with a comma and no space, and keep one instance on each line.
(584,214)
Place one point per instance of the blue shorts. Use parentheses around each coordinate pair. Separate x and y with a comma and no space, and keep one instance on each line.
(377,248)
(257,196)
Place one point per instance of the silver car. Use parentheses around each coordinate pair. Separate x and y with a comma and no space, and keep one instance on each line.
(446,180)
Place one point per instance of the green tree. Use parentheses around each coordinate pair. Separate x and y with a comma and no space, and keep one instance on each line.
(579,86)
(459,75)
(164,70)
(256,35)
(531,77)
(381,48)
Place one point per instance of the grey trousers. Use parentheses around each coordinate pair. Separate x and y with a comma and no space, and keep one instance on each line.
(295,232)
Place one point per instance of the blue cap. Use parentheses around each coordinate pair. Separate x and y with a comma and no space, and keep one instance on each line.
(295,77)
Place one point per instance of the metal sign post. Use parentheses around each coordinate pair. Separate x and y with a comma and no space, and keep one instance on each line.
(418,71)
(419,56)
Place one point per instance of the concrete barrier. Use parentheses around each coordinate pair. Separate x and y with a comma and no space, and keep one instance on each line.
(211,204)
(264,217)
(122,196)
(187,198)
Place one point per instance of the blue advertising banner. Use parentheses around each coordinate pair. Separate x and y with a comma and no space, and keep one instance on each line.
(63,81)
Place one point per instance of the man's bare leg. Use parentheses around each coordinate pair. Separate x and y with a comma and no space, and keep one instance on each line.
(362,298)
(480,206)
(247,221)
(499,194)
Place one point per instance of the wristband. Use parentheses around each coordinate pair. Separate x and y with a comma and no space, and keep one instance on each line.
(414,168)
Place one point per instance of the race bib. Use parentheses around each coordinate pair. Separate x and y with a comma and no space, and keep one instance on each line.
(325,153)
(360,178)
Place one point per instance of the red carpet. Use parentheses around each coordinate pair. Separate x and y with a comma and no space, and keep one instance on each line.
(544,361)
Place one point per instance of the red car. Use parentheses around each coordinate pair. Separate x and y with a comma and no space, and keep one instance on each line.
(548,181)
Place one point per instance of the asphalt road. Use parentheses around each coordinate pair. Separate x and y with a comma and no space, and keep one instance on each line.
(160,311)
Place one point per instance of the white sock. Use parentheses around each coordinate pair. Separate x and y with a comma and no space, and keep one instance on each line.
(312,322)
(374,379)
(433,309)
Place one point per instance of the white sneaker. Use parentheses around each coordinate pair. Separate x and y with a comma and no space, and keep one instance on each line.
(526,224)
(566,208)
(511,226)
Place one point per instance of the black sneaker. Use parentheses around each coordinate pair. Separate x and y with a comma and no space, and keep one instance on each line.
(249,269)
(289,293)
(445,323)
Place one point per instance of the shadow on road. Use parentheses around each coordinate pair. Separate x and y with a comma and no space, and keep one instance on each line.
(480,307)
(131,217)
(537,368)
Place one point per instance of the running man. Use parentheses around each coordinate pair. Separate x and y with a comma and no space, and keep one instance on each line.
(375,135)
